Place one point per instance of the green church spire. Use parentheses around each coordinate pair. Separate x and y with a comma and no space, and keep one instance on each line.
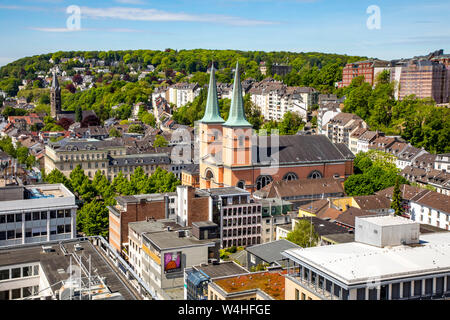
(212,114)
(237,114)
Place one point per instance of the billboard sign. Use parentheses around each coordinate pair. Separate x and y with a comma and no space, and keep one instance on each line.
(172,262)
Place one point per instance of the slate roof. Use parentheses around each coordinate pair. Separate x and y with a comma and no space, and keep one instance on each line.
(372,202)
(139,160)
(283,189)
(408,192)
(304,148)
(434,200)
(323,227)
(348,217)
(270,252)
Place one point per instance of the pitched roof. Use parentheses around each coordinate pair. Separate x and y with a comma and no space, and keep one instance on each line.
(408,192)
(372,202)
(315,207)
(303,148)
(283,189)
(434,200)
(270,252)
(348,217)
(330,213)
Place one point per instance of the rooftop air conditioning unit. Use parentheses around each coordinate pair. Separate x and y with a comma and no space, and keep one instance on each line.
(78,247)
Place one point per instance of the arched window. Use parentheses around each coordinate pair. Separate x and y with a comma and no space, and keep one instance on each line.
(241,184)
(290,176)
(263,181)
(209,175)
(315,175)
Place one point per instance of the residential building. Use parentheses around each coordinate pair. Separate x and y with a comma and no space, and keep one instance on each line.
(365,139)
(431,208)
(275,211)
(407,156)
(423,78)
(387,261)
(353,139)
(181,94)
(369,69)
(36,213)
(340,128)
(442,162)
(108,156)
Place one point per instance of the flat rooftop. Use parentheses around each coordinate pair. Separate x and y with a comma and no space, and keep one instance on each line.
(222,269)
(55,264)
(271,283)
(387,220)
(354,263)
(170,239)
(154,226)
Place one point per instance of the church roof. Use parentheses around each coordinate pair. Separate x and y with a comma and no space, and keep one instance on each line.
(236,117)
(303,148)
(212,114)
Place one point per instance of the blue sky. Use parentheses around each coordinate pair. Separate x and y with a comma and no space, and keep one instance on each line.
(408,28)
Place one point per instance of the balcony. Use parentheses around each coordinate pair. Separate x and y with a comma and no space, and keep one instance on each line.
(311,287)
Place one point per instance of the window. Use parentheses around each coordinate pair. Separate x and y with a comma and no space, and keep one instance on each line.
(373,294)
(418,287)
(26,271)
(28,216)
(53,214)
(60,214)
(10,234)
(10,218)
(67,213)
(297,294)
(18,217)
(15,293)
(2,219)
(60,229)
(440,285)
(15,273)
(27,291)
(4,274)
(67,228)
(395,291)
(428,286)
(43,215)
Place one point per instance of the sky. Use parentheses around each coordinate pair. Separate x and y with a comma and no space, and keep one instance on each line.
(402,28)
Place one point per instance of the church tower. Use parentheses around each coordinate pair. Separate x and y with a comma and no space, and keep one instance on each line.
(210,132)
(237,135)
(55,97)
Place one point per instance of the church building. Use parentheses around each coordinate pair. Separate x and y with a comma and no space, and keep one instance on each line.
(232,155)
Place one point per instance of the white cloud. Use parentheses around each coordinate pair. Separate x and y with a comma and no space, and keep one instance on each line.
(56,29)
(85,29)
(138,14)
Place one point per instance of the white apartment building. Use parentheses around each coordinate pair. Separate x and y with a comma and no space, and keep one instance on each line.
(274,99)
(442,162)
(341,126)
(432,208)
(36,213)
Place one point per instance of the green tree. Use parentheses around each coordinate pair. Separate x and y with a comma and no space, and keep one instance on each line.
(159,142)
(303,234)
(113,132)
(92,219)
(397,199)
(78,114)
(56,176)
